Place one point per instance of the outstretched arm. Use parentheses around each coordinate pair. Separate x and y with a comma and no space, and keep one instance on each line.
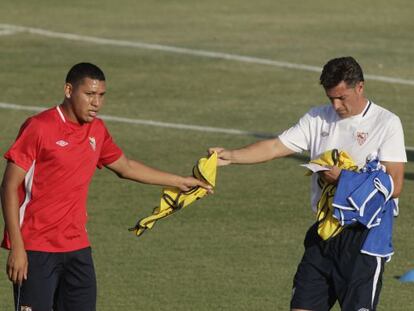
(17,261)
(261,151)
(137,171)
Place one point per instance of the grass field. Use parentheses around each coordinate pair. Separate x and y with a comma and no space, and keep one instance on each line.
(237,249)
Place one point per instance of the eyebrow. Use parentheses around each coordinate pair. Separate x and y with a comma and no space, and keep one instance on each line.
(335,97)
(95,92)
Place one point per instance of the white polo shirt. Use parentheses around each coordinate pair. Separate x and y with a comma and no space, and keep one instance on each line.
(374,131)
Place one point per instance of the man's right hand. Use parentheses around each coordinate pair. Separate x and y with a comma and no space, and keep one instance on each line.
(17,265)
(331,176)
(223,155)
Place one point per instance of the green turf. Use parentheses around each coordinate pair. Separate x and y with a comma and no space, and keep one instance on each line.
(238,249)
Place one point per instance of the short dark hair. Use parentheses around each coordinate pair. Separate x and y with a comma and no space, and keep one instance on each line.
(341,69)
(84,70)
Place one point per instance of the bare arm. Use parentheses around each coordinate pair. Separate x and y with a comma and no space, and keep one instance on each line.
(17,261)
(396,171)
(261,151)
(137,171)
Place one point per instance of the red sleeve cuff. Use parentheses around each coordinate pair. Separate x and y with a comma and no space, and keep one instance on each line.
(109,160)
(20,162)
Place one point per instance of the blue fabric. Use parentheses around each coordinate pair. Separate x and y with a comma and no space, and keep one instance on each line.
(348,182)
(373,165)
(365,198)
(379,239)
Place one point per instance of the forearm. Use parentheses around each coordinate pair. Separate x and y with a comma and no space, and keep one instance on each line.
(398,185)
(140,172)
(10,206)
(396,171)
(258,152)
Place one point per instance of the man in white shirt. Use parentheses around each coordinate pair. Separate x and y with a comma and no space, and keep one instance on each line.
(354,124)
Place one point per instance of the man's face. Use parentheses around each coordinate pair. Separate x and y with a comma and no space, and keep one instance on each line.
(347,100)
(86,98)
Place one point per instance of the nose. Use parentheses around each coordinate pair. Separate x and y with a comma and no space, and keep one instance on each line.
(97,101)
(336,103)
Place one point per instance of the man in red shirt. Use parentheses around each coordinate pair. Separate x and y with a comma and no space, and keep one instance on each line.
(44,193)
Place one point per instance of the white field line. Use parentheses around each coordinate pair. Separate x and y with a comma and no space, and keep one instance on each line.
(193,52)
(179,126)
(7,32)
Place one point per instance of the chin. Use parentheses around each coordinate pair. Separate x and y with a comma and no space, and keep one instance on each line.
(342,115)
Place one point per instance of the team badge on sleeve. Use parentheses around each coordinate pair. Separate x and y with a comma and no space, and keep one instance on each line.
(361,137)
(92,142)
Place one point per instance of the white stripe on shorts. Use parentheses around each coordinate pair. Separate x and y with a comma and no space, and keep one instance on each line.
(18,298)
(375,281)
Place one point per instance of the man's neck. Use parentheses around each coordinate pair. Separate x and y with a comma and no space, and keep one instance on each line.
(68,112)
(363,105)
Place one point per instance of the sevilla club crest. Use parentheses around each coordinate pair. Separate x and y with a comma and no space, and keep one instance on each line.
(361,137)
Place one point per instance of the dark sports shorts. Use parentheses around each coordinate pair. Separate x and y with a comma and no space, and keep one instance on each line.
(58,282)
(336,270)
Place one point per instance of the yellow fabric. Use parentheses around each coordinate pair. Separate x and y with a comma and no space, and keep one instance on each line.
(326,159)
(328,225)
(172,199)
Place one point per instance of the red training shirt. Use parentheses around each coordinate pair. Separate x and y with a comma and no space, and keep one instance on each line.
(60,158)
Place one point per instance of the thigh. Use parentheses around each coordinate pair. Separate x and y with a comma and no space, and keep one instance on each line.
(42,278)
(312,288)
(77,288)
(363,283)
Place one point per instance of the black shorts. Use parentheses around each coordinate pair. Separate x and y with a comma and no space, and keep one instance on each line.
(336,270)
(58,281)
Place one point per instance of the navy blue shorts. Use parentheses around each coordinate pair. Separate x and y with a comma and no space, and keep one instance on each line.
(58,282)
(336,270)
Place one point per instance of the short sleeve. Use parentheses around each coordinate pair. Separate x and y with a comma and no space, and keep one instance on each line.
(392,148)
(26,148)
(297,138)
(110,152)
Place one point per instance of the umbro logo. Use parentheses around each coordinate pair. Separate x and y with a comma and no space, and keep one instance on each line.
(62,143)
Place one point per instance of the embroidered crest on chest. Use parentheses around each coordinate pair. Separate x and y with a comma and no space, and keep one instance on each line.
(92,142)
(361,137)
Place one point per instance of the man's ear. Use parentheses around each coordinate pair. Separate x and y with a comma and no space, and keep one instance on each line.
(68,89)
(360,87)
